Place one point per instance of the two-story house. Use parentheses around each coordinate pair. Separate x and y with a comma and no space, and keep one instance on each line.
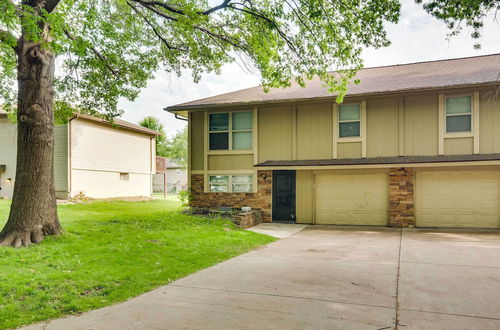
(411,145)
(92,158)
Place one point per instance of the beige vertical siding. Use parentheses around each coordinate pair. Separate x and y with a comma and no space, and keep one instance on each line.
(421,125)
(230,162)
(197,140)
(304,197)
(459,146)
(395,125)
(99,153)
(489,123)
(275,133)
(349,150)
(382,127)
(314,131)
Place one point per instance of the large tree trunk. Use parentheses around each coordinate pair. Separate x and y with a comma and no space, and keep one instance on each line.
(33,212)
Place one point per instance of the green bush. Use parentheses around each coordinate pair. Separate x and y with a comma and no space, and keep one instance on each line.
(185,197)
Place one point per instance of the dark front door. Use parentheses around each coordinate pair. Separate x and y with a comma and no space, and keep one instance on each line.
(284,196)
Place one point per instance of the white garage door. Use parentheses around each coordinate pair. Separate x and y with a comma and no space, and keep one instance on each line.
(351,199)
(458,199)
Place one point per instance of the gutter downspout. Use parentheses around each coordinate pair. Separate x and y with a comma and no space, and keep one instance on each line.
(180,118)
(176,116)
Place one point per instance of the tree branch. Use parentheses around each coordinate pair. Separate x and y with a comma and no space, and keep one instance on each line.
(222,37)
(146,5)
(251,11)
(50,5)
(97,53)
(162,5)
(155,30)
(168,7)
(223,5)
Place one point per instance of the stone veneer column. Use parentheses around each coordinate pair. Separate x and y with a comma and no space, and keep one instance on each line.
(261,200)
(401,197)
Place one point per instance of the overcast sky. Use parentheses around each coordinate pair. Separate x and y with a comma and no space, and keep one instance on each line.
(417,37)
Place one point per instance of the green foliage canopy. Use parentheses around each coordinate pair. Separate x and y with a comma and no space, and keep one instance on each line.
(456,13)
(176,148)
(154,123)
(109,49)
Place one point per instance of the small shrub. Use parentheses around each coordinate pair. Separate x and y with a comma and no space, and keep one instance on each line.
(185,197)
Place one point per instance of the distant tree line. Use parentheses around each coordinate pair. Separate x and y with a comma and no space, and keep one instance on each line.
(174,148)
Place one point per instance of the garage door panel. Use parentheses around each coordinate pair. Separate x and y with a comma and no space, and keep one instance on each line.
(488,205)
(458,199)
(426,220)
(351,199)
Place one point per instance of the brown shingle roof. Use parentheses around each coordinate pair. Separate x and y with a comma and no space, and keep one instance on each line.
(381,160)
(118,123)
(467,71)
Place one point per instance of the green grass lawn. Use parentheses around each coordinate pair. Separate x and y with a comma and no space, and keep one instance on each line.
(111,251)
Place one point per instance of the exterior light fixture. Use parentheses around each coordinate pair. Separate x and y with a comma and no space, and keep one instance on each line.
(9,180)
(263,176)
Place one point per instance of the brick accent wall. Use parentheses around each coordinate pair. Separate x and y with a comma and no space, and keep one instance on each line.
(401,197)
(261,200)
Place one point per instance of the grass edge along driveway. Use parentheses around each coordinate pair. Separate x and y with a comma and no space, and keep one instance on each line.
(110,252)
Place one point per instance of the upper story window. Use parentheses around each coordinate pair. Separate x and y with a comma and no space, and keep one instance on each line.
(458,114)
(230,131)
(349,120)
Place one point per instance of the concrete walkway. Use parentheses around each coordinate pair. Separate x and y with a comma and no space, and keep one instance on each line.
(328,278)
(279,230)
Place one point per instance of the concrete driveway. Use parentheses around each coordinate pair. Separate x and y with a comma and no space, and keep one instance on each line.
(327,277)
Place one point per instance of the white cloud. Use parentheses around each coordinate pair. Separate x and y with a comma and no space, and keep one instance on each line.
(417,37)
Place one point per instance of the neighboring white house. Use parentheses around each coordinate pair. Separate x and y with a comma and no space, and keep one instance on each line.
(176,178)
(92,157)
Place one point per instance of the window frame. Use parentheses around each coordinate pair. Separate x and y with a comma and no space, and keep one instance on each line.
(471,114)
(360,120)
(230,183)
(230,132)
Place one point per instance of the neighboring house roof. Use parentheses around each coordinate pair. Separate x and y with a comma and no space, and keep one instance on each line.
(381,160)
(118,123)
(478,70)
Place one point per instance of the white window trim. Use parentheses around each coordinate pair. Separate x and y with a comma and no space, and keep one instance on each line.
(471,113)
(230,175)
(230,132)
(474,133)
(336,128)
(349,138)
(228,183)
